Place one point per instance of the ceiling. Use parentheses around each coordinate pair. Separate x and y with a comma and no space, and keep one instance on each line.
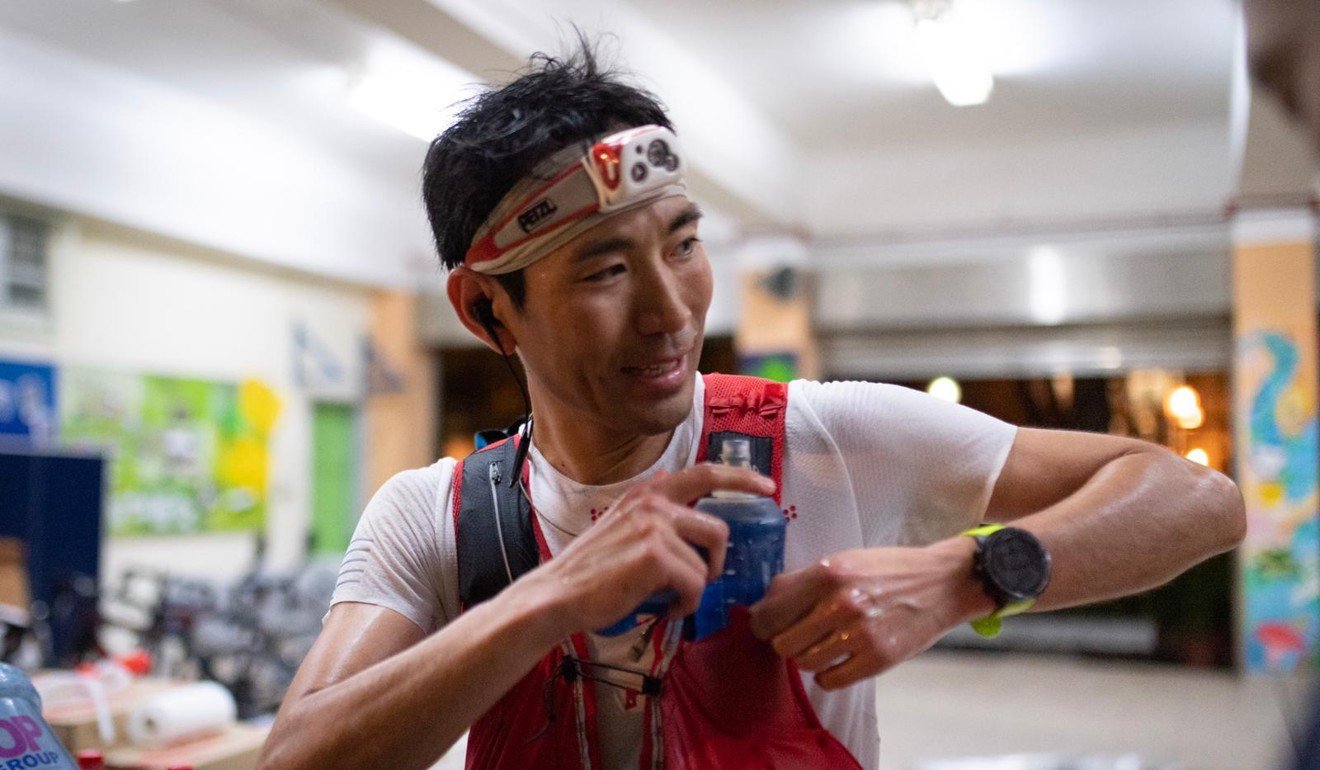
(846,73)
(807,117)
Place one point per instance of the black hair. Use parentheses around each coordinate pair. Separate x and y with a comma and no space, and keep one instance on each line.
(502,134)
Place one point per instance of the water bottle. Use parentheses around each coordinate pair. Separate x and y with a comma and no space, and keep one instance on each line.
(25,738)
(755,552)
(754,555)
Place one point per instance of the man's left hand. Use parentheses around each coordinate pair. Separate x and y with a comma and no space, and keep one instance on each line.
(858,613)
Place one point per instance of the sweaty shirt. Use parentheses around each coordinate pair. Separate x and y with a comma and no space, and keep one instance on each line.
(865,465)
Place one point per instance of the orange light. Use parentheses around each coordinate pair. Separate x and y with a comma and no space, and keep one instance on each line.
(1183,407)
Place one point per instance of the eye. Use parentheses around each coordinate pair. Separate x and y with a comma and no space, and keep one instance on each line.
(605,274)
(687,247)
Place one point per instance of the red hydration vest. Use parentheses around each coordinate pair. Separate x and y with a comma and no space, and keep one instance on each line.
(728,701)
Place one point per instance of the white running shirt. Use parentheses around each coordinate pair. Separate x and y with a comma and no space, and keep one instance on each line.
(865,465)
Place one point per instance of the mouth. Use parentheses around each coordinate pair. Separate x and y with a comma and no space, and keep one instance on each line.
(662,375)
(657,369)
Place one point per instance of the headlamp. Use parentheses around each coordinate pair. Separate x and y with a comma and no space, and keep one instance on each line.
(571,192)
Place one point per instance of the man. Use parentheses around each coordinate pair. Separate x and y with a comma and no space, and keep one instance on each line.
(592,272)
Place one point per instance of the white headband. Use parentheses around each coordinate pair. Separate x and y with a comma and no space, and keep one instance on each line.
(571,192)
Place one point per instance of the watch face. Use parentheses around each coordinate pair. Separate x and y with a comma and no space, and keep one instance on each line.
(1017,563)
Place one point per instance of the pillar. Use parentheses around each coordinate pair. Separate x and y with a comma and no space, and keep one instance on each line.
(1275,436)
(400,422)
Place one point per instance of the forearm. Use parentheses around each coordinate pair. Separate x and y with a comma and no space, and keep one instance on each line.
(1131,520)
(407,710)
(1141,520)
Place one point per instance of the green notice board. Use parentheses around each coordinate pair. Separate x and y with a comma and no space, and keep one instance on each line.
(185,455)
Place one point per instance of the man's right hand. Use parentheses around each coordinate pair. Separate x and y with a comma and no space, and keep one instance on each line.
(644,545)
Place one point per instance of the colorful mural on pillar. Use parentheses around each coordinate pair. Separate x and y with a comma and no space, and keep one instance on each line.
(1278,478)
(186,455)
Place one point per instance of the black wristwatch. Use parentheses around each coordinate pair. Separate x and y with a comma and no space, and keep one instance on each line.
(1014,568)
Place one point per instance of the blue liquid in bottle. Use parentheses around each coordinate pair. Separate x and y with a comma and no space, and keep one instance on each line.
(755,552)
(754,555)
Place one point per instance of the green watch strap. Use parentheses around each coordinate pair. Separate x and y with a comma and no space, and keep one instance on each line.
(990,625)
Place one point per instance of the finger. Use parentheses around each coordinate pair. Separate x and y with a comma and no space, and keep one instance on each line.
(790,597)
(852,670)
(688,555)
(663,558)
(812,629)
(685,575)
(829,615)
(828,652)
(700,480)
(706,531)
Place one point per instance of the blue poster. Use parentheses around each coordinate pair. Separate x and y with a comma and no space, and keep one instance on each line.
(27,405)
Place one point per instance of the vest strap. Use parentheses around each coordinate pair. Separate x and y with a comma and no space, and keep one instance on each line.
(496,543)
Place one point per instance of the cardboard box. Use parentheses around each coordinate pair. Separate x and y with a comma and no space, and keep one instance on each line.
(75,725)
(237,749)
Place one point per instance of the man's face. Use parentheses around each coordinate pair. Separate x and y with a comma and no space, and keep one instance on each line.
(612,325)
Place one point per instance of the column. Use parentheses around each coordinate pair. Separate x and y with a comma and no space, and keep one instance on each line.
(1275,436)
(774,337)
(401,392)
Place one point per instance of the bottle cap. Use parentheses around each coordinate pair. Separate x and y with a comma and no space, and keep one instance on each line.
(736,452)
(91,759)
(138,662)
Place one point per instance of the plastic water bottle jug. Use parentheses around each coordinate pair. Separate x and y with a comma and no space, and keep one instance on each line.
(25,739)
(755,552)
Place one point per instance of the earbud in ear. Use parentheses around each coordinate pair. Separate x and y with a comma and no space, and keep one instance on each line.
(485,314)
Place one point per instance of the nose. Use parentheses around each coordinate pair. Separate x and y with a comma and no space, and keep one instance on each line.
(660,306)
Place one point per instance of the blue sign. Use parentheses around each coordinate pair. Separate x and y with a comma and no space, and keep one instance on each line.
(27,404)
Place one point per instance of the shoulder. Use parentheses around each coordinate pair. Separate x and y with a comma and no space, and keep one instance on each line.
(846,400)
(417,495)
(813,392)
(398,557)
(420,485)
(872,411)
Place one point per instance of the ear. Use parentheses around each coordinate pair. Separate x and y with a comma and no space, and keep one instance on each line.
(467,291)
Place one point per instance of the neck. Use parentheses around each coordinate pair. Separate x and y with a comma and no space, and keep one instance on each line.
(589,452)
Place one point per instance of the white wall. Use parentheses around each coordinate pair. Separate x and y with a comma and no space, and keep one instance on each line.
(84,137)
(125,300)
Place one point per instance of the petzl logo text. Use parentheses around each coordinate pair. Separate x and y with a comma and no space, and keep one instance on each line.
(536,214)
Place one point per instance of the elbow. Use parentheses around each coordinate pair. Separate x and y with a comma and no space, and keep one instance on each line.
(280,751)
(270,760)
(274,756)
(279,755)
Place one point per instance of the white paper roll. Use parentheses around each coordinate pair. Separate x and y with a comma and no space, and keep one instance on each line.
(192,711)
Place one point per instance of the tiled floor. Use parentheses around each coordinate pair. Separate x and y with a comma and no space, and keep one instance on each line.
(947,704)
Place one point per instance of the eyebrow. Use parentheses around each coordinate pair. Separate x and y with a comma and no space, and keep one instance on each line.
(682,219)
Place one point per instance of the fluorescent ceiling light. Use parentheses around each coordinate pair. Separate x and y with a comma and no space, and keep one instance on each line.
(1047,286)
(952,57)
(401,103)
(413,92)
